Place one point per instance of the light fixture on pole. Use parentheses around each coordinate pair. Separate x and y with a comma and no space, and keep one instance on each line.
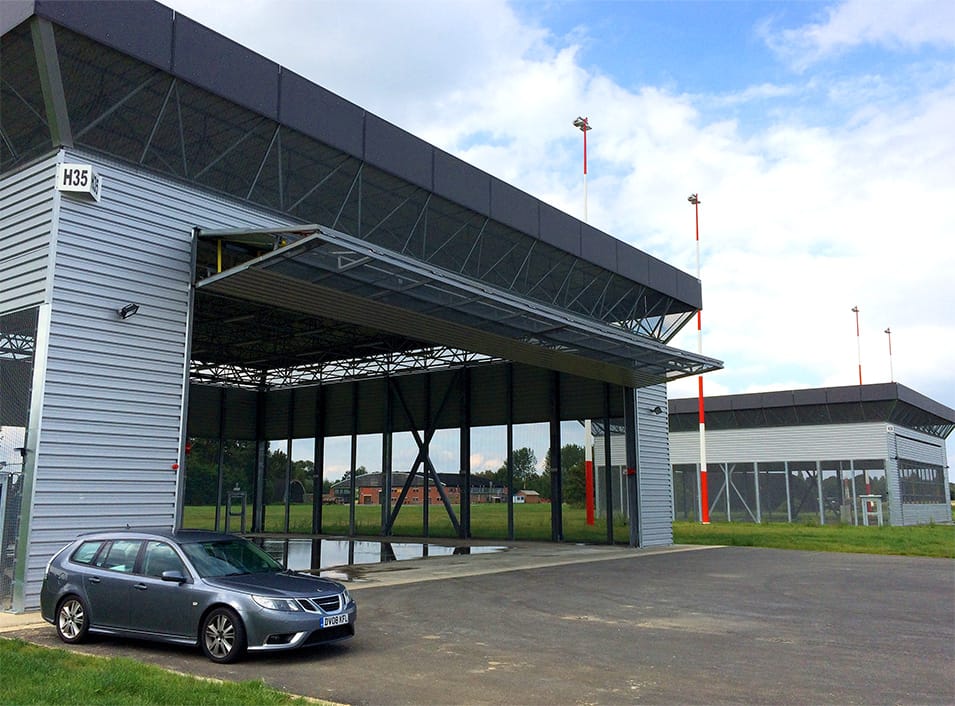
(704,493)
(855,310)
(582,125)
(888,332)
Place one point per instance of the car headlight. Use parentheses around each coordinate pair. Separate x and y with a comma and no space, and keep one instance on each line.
(286,604)
(346,597)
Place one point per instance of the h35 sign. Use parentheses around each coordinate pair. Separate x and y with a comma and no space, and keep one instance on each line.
(80,179)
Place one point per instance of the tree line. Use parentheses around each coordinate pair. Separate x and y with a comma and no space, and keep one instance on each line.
(238,467)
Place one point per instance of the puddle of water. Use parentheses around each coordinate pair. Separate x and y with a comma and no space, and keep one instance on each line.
(333,557)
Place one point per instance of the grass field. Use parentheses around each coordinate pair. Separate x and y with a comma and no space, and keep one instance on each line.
(37,675)
(532,522)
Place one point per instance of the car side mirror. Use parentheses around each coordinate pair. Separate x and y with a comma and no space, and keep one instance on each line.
(173,576)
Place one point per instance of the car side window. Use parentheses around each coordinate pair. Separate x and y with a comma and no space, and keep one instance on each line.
(86,551)
(120,555)
(161,557)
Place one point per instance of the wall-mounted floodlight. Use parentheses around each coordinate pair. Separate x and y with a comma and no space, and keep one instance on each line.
(128,310)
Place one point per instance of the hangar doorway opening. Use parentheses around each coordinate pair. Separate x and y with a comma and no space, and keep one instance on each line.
(339,388)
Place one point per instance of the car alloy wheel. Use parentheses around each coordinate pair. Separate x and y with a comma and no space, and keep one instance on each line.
(223,636)
(72,620)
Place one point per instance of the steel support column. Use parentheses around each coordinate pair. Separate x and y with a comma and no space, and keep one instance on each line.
(220,457)
(632,440)
(387,458)
(425,448)
(51,83)
(287,492)
(353,480)
(261,460)
(465,454)
(318,469)
(510,450)
(608,469)
(556,487)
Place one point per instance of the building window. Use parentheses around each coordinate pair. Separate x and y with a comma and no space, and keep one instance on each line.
(921,482)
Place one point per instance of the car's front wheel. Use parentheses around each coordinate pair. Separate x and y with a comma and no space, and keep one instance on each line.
(72,620)
(222,636)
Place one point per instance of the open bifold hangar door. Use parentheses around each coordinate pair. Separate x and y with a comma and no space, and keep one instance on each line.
(318,273)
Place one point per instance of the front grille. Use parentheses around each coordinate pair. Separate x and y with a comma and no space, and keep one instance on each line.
(326,604)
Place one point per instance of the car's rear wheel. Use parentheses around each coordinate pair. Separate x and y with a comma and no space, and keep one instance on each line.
(72,620)
(222,635)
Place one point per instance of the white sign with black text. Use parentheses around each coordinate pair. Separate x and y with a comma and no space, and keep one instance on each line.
(79,179)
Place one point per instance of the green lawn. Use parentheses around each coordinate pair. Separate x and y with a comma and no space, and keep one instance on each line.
(921,540)
(37,675)
(532,522)
(488,521)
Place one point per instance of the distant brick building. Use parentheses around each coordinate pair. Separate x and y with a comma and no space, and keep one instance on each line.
(368,488)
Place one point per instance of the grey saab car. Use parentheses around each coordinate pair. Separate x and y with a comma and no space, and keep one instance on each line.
(187,587)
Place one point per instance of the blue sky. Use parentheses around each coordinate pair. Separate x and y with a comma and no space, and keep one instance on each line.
(819,136)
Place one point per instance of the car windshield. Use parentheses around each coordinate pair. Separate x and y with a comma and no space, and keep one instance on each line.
(229,557)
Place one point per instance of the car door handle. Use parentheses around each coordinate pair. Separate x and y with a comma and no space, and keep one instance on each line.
(139,586)
(93,579)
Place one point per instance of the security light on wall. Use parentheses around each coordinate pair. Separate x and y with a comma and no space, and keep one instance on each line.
(657,410)
(128,310)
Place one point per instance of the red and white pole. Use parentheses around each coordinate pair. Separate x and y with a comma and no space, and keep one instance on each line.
(855,309)
(584,126)
(704,492)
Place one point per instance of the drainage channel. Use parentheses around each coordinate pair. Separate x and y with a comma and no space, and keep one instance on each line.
(338,558)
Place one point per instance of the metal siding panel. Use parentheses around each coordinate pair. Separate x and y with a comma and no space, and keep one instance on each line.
(458,181)
(146,27)
(598,247)
(514,208)
(802,443)
(321,114)
(113,396)
(560,230)
(27,202)
(656,479)
(916,446)
(398,152)
(224,67)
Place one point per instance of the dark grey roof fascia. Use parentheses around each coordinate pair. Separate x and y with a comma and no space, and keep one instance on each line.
(877,392)
(157,35)
(15,12)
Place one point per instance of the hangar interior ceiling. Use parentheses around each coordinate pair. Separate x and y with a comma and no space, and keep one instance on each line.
(496,273)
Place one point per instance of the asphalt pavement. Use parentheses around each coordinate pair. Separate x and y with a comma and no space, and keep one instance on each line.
(569,624)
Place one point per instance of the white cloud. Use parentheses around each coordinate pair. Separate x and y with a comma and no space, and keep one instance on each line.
(888,23)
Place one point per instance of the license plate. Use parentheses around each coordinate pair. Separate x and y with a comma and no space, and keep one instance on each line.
(333,620)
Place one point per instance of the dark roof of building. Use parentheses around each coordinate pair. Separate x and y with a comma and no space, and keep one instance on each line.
(889,402)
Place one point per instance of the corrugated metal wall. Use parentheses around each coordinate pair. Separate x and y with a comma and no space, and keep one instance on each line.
(655,481)
(114,392)
(804,443)
(27,205)
(911,445)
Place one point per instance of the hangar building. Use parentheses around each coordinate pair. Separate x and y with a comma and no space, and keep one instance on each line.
(198,243)
(846,455)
